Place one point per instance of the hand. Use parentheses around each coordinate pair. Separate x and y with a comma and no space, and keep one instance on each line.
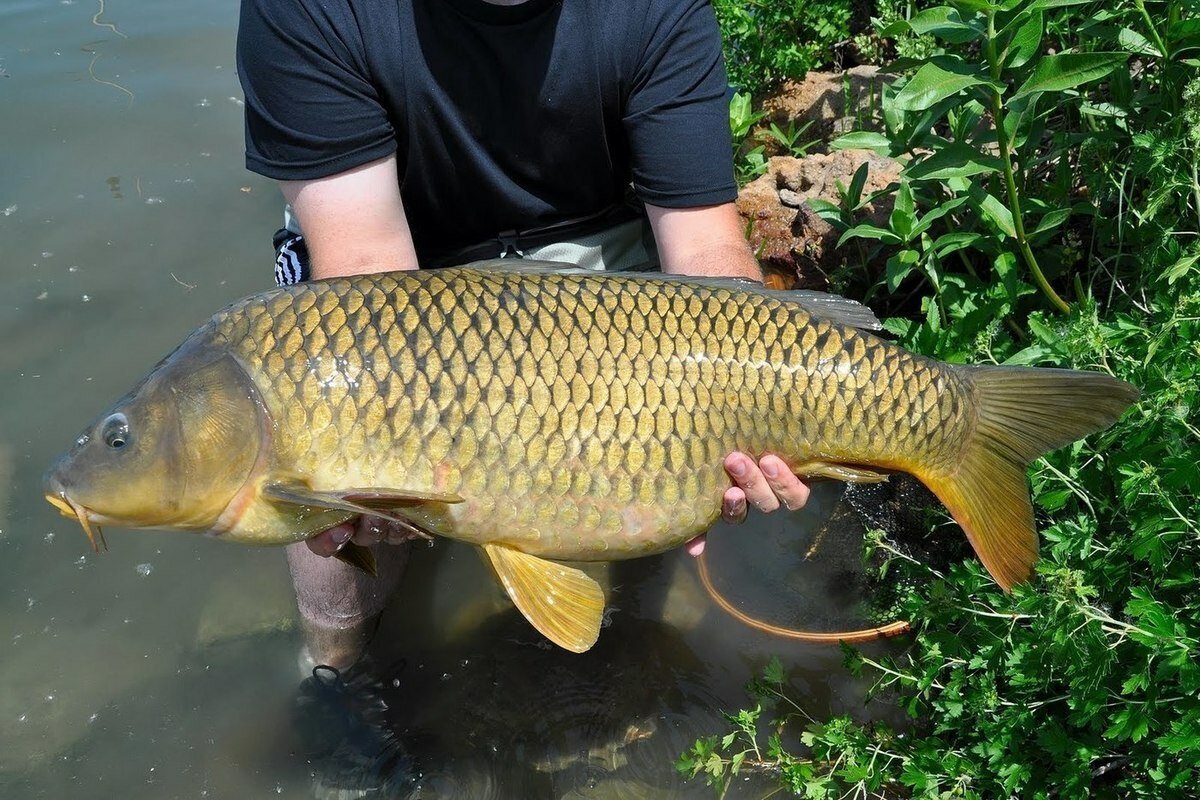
(767,485)
(362,530)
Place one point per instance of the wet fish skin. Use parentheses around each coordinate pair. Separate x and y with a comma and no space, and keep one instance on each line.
(597,434)
(552,415)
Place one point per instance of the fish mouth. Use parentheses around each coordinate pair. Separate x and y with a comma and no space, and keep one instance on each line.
(86,519)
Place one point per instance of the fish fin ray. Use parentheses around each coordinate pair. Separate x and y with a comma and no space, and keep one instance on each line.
(300,495)
(359,557)
(1021,414)
(563,603)
(398,497)
(847,473)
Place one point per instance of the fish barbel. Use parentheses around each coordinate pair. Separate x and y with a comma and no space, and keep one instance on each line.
(549,415)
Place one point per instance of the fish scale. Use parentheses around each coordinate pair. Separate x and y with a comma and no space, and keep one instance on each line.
(548,415)
(573,398)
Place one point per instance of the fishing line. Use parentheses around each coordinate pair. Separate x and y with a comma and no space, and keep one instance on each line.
(810,637)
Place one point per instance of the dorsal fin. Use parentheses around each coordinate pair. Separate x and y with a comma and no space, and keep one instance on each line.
(831,307)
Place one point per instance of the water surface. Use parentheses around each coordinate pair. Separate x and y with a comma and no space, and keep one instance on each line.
(167,667)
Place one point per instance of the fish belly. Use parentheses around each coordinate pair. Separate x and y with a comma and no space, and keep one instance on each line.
(578,417)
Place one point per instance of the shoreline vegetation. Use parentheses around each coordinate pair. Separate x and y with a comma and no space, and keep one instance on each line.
(1047,213)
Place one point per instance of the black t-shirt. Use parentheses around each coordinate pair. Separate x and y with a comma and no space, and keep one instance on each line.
(501,117)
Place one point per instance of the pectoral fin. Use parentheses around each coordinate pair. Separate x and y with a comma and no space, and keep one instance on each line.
(385,503)
(300,495)
(357,556)
(562,602)
(820,470)
(373,496)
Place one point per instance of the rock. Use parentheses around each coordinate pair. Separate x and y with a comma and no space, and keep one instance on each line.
(790,198)
(795,246)
(832,102)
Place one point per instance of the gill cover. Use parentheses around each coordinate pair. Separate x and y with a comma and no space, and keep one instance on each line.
(173,453)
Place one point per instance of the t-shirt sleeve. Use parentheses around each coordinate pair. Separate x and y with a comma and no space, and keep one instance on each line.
(310,110)
(677,112)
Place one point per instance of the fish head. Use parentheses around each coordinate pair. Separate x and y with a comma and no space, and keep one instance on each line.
(174,453)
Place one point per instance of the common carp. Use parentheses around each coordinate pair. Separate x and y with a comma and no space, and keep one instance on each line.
(551,416)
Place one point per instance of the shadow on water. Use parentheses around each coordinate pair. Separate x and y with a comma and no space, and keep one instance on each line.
(167,667)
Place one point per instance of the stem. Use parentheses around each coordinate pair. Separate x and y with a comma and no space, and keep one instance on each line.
(1158,42)
(1010,181)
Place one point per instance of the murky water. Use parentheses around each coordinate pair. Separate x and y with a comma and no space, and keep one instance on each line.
(167,667)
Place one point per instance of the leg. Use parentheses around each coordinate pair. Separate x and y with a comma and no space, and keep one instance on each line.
(339,605)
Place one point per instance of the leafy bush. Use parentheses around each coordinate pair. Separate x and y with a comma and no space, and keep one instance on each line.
(1048,214)
(767,41)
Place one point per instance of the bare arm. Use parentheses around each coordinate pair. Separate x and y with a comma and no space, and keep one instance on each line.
(353,222)
(703,241)
(709,241)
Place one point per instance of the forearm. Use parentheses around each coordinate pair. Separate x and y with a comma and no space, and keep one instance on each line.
(726,259)
(703,241)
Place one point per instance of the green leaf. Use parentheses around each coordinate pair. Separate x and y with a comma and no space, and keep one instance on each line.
(1026,41)
(931,85)
(862,140)
(926,222)
(1041,5)
(1068,70)
(1180,268)
(1184,29)
(1134,42)
(903,215)
(974,5)
(1052,220)
(893,29)
(946,23)
(866,231)
(992,209)
(953,242)
(899,266)
(955,160)
(830,212)
(856,185)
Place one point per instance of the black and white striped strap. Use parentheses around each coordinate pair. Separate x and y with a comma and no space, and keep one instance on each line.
(289,261)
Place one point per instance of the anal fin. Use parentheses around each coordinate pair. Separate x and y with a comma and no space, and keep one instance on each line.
(822,470)
(562,602)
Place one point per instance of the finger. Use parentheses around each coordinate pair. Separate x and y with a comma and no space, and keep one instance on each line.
(369,531)
(790,490)
(397,533)
(328,542)
(734,507)
(696,546)
(747,475)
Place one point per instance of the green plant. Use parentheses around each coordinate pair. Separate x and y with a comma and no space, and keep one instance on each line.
(749,161)
(906,44)
(788,139)
(1087,680)
(972,125)
(767,41)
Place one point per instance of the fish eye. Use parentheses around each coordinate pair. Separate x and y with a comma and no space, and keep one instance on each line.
(116,431)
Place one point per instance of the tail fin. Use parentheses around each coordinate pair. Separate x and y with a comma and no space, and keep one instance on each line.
(1021,413)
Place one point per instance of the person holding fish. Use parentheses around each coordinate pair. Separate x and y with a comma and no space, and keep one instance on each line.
(430,133)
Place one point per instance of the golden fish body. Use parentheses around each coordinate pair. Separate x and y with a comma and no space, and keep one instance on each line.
(579,417)
(556,415)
